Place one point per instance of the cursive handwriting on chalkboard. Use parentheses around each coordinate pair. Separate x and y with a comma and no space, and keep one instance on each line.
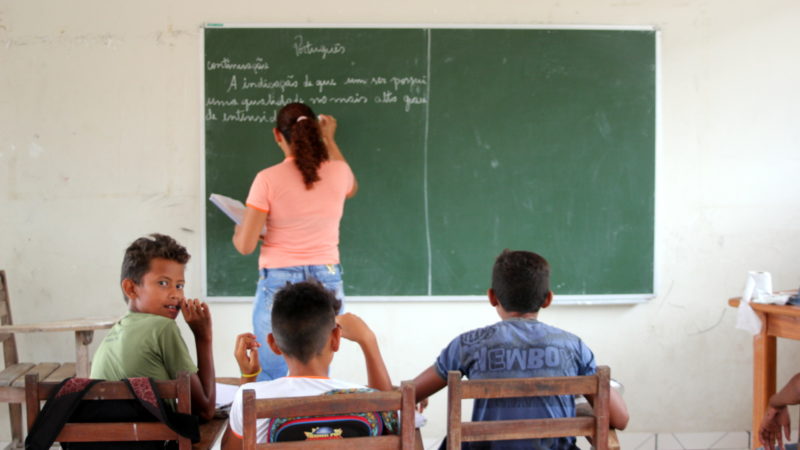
(305,48)
(250,99)
(225,64)
(265,83)
(251,90)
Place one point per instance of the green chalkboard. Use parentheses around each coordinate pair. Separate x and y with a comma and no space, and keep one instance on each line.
(464,142)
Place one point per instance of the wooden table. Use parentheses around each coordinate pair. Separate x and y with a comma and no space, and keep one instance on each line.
(211,431)
(84,333)
(776,321)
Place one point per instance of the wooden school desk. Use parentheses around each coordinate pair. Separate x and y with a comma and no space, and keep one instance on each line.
(211,431)
(84,332)
(776,321)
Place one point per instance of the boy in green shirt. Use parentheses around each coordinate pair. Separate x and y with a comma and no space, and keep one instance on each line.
(146,342)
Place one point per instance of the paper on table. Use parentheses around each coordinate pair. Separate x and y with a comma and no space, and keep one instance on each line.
(419,420)
(759,283)
(747,319)
(225,394)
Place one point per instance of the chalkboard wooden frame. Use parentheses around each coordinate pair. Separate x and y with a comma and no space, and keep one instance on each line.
(581,299)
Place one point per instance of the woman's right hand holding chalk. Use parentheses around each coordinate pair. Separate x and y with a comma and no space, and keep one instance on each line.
(327,126)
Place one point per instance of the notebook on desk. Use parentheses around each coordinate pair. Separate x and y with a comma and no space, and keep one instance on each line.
(794,299)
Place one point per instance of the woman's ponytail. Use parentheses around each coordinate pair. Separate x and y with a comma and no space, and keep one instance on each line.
(298,125)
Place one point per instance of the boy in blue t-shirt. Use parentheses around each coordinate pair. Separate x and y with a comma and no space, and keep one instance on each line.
(519,346)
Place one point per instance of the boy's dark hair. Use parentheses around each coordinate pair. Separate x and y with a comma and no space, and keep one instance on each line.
(521,280)
(138,255)
(303,315)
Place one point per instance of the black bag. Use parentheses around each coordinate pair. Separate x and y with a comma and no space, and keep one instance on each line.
(66,405)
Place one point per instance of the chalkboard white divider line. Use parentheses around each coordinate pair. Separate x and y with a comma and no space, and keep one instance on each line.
(657,163)
(566,300)
(203,195)
(498,26)
(425,166)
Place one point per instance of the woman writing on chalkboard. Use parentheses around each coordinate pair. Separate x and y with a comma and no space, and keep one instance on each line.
(301,201)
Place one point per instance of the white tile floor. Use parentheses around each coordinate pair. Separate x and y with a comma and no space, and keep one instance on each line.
(663,441)
(737,440)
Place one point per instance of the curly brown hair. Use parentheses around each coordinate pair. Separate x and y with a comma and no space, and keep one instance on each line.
(304,139)
(138,255)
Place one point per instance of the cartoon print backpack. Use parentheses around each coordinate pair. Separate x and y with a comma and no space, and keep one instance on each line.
(334,426)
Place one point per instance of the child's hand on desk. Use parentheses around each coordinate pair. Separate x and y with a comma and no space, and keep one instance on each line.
(198,317)
(354,328)
(246,354)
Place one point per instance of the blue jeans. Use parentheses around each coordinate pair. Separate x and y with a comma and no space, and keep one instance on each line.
(271,281)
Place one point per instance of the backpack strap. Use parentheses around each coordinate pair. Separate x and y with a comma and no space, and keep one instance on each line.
(56,412)
(144,389)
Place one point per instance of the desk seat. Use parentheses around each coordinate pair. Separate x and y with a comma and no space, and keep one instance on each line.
(14,377)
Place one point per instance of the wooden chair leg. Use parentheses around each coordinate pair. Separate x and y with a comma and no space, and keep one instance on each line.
(15,416)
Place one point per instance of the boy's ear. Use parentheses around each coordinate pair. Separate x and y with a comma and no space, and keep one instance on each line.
(273,345)
(128,288)
(336,338)
(547,300)
(492,297)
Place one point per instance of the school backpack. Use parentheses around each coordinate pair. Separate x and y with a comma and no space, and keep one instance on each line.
(66,404)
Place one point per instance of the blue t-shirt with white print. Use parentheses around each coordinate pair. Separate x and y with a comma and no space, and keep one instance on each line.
(519,348)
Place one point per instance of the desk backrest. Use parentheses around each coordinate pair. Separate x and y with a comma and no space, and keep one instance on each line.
(321,405)
(179,389)
(595,426)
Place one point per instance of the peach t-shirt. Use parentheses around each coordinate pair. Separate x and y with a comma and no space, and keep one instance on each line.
(302,224)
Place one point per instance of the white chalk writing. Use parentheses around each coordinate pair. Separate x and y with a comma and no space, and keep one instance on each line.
(408,100)
(244,98)
(225,64)
(303,47)
(263,83)
(354,99)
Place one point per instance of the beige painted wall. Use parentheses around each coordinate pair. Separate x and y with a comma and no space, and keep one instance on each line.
(100,126)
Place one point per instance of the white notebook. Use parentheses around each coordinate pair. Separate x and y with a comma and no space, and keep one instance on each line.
(232,208)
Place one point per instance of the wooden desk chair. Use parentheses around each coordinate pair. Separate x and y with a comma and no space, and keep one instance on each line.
(12,377)
(402,400)
(179,389)
(594,426)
